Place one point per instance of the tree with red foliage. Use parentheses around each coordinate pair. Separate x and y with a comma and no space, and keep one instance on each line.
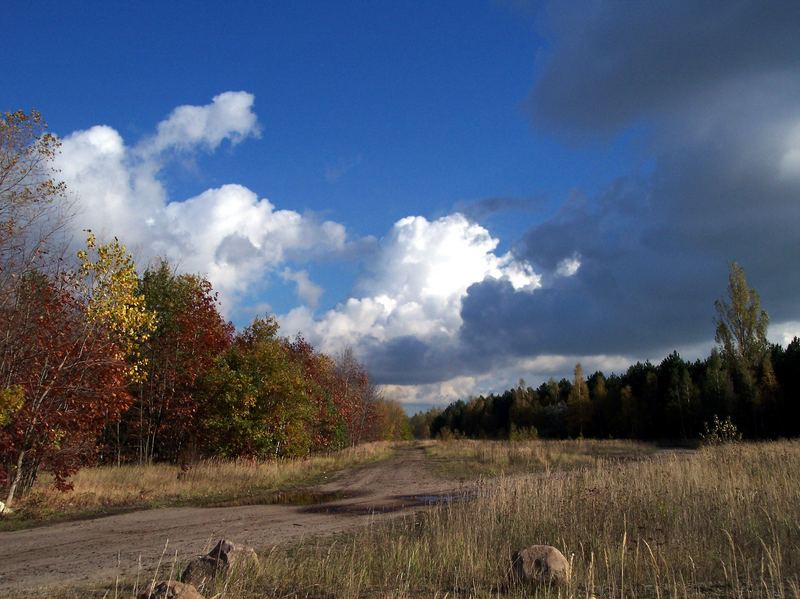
(189,336)
(67,378)
(325,389)
(356,395)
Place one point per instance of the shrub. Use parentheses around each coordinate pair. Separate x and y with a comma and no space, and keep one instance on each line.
(718,432)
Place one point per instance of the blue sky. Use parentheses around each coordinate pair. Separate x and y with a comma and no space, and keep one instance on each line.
(561,132)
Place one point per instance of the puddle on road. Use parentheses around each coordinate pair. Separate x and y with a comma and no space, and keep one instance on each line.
(296,497)
(353,509)
(307,497)
(398,503)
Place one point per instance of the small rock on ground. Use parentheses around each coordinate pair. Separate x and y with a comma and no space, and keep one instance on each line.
(171,590)
(540,564)
(224,559)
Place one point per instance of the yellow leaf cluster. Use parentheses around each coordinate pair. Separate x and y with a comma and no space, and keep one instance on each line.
(11,400)
(109,282)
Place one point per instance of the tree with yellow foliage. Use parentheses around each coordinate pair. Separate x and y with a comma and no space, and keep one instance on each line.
(108,283)
(74,349)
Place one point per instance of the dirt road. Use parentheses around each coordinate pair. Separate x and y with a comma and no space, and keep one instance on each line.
(99,550)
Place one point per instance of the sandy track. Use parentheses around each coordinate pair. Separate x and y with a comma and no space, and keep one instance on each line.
(99,550)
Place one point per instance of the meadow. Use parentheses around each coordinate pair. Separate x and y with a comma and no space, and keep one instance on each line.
(722,521)
(466,459)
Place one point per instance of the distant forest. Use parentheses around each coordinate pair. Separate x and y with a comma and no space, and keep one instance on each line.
(746,381)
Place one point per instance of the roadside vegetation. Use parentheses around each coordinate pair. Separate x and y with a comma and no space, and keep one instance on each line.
(104,490)
(722,521)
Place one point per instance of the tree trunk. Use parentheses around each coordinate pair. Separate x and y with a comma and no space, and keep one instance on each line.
(17,479)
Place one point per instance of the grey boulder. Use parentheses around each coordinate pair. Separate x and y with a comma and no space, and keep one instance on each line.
(539,564)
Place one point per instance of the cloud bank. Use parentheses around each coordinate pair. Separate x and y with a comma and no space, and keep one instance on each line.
(716,87)
(412,290)
(227,233)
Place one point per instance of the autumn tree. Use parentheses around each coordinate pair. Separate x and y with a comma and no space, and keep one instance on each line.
(32,202)
(326,392)
(741,324)
(357,397)
(741,331)
(257,404)
(109,287)
(69,379)
(579,406)
(390,422)
(188,335)
(72,352)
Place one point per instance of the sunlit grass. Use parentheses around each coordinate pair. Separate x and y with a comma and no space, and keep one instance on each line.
(718,522)
(723,521)
(114,488)
(468,459)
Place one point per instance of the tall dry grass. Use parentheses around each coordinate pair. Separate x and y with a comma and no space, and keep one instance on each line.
(469,459)
(110,488)
(721,522)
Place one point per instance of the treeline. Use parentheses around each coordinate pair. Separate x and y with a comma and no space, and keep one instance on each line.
(101,363)
(748,382)
(207,390)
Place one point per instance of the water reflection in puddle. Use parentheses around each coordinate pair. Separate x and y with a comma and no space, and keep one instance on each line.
(394,504)
(307,497)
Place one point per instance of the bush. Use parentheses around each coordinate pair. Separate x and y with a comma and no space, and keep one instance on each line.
(718,432)
(523,433)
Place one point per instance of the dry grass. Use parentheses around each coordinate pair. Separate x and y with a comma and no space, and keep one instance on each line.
(721,522)
(466,459)
(109,489)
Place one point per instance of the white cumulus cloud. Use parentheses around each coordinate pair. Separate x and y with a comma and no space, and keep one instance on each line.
(227,233)
(229,117)
(307,291)
(415,284)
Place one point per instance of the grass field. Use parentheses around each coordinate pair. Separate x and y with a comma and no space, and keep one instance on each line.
(466,459)
(720,522)
(110,489)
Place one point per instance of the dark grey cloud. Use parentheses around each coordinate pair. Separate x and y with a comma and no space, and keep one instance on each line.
(714,87)
(479,210)
(719,87)
(613,62)
(412,361)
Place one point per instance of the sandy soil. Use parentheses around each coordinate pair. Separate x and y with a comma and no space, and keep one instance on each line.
(100,550)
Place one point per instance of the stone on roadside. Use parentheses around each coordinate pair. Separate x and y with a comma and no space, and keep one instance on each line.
(223,560)
(201,571)
(171,590)
(539,564)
